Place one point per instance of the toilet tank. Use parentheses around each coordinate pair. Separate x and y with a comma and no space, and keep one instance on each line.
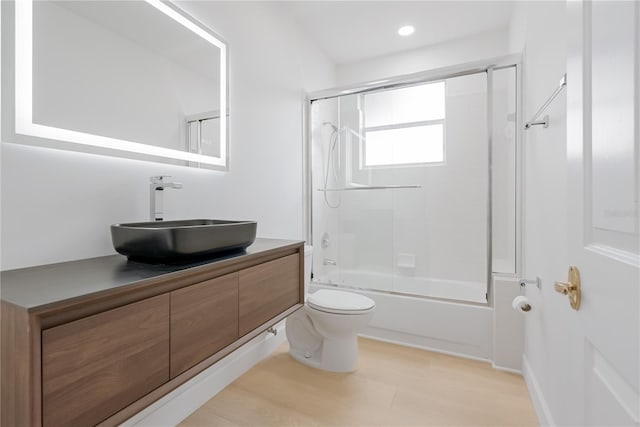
(308,258)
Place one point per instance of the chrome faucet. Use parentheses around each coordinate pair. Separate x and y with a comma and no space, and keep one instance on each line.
(156,192)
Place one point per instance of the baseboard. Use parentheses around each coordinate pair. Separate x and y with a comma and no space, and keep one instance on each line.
(505,369)
(439,350)
(400,339)
(186,399)
(537,397)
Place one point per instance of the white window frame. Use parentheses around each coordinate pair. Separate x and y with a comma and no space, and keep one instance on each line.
(198,119)
(364,129)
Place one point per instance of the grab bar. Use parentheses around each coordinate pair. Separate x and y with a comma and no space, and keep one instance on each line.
(545,120)
(370,187)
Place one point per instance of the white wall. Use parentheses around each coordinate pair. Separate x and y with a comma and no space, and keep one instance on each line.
(57,205)
(540,29)
(479,47)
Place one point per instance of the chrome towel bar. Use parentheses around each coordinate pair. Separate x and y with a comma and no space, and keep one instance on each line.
(545,120)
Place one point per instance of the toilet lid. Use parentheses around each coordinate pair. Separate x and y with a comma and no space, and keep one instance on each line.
(340,301)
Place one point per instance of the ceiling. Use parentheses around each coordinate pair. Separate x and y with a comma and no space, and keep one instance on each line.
(354,30)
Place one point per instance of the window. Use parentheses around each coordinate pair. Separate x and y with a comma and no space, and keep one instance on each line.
(404,126)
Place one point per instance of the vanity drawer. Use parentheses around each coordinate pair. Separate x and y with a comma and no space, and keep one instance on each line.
(267,290)
(204,320)
(93,367)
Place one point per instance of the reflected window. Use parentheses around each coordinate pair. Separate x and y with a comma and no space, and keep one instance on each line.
(404,126)
(203,133)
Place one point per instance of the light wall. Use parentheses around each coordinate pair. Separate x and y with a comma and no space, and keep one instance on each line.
(539,29)
(57,205)
(476,48)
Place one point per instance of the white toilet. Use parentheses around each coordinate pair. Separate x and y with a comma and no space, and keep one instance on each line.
(323,334)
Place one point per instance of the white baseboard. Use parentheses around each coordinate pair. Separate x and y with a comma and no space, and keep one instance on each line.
(535,391)
(405,343)
(401,339)
(186,399)
(505,369)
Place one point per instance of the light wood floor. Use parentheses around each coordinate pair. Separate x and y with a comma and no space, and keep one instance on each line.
(393,386)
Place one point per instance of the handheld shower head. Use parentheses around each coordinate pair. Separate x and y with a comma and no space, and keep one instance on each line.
(334,127)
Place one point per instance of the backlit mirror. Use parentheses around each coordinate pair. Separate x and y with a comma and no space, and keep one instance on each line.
(139,77)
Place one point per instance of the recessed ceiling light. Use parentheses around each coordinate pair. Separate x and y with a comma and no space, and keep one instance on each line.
(406,30)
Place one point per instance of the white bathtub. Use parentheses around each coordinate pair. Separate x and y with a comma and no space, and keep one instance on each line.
(406,312)
(458,290)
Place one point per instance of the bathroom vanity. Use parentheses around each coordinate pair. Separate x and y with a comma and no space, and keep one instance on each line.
(95,341)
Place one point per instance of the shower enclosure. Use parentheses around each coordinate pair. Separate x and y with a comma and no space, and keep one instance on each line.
(412,183)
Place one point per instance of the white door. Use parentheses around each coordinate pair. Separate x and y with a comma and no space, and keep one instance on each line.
(603,103)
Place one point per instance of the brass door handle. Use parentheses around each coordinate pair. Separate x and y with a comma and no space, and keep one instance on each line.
(571,288)
(564,288)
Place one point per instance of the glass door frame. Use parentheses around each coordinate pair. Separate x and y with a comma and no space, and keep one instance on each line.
(487,66)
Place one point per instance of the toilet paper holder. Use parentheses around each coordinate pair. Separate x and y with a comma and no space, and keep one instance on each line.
(521,303)
(537,281)
(524,282)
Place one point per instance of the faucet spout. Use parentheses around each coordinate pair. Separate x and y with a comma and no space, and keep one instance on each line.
(156,195)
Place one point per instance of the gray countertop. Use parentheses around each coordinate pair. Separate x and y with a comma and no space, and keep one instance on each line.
(34,287)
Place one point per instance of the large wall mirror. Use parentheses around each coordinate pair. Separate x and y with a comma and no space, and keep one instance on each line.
(139,77)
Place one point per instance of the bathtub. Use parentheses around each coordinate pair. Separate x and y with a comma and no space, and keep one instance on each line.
(466,291)
(409,313)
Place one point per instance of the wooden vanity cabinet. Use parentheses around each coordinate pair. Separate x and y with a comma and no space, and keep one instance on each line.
(101,357)
(95,366)
(267,290)
(204,320)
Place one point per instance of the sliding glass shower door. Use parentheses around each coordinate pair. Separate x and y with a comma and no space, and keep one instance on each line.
(400,182)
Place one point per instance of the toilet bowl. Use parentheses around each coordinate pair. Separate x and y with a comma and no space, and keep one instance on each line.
(324,334)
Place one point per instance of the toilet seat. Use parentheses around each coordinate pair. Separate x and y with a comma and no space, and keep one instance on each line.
(340,302)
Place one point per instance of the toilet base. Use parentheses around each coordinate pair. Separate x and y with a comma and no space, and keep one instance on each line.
(335,355)
(305,359)
(340,355)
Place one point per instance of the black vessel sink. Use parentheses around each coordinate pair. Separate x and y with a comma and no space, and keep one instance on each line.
(170,240)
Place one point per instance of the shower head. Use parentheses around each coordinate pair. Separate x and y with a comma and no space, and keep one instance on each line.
(334,127)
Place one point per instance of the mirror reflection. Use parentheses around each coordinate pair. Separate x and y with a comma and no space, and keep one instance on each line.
(127,71)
